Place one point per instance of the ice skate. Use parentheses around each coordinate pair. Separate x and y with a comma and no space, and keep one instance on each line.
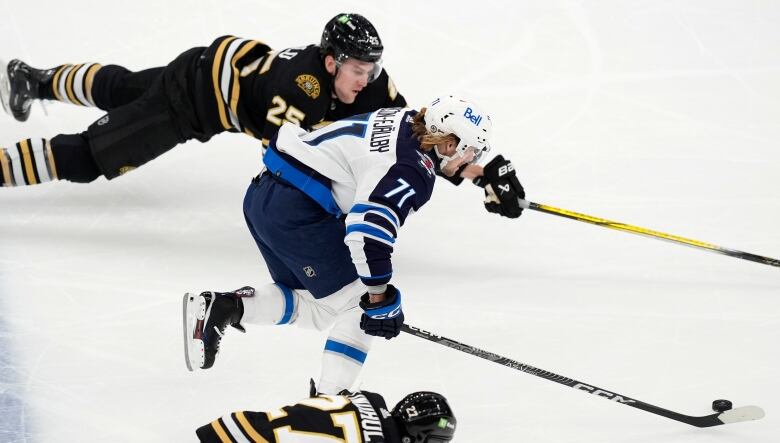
(205,318)
(19,86)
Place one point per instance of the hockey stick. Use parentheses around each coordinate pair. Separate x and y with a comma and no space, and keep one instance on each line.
(648,232)
(725,414)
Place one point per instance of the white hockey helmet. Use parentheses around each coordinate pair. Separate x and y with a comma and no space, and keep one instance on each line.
(463,118)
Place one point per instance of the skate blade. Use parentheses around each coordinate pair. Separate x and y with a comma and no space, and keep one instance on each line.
(5,88)
(194,311)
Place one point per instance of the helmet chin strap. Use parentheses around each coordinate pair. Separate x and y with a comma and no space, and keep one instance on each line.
(444,158)
(333,93)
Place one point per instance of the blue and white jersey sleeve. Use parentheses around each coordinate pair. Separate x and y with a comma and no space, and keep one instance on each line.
(373,222)
(369,167)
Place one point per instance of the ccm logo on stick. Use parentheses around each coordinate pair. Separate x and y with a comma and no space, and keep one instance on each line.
(600,393)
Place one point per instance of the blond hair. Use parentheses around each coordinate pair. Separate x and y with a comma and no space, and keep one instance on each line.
(426,139)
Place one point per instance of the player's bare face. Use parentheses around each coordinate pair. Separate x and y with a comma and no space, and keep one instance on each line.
(351,78)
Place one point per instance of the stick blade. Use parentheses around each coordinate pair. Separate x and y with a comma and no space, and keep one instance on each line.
(742,413)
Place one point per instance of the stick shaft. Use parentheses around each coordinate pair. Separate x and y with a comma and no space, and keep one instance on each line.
(649,233)
(702,422)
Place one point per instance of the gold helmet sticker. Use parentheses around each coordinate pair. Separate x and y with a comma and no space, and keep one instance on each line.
(309,84)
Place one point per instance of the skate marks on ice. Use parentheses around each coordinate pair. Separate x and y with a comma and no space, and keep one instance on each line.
(12,417)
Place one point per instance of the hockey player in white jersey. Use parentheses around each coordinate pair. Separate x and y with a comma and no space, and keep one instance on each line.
(325,214)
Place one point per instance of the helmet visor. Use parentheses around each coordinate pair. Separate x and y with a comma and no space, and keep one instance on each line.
(376,72)
(372,72)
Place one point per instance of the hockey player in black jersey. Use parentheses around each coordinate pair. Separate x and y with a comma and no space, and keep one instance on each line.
(234,85)
(362,417)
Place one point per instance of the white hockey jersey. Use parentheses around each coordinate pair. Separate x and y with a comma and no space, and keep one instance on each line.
(368,167)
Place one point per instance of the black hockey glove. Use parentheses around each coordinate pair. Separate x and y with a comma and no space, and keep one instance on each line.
(385,318)
(502,188)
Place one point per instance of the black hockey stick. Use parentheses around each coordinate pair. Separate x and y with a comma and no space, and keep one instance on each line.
(648,232)
(725,414)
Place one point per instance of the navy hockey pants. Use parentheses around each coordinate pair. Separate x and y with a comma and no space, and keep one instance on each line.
(302,244)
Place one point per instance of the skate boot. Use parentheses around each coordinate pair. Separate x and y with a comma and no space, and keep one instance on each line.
(5,87)
(205,318)
(20,85)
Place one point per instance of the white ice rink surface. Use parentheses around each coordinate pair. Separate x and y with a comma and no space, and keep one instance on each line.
(662,114)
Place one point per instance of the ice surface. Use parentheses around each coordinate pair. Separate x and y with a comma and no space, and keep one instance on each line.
(659,114)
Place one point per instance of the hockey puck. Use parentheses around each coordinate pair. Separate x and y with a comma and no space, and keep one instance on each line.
(721,405)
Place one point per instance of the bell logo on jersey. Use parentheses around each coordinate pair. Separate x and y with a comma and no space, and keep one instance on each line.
(469,114)
(309,84)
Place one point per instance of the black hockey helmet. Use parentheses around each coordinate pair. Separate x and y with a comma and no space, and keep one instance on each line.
(352,36)
(425,417)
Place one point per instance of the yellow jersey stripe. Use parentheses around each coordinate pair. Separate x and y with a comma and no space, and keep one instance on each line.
(250,431)
(90,77)
(321,124)
(69,85)
(391,89)
(237,75)
(267,65)
(29,169)
(250,68)
(220,431)
(50,159)
(55,83)
(5,164)
(215,78)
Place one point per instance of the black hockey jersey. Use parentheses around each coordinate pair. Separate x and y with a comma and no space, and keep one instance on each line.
(244,86)
(361,417)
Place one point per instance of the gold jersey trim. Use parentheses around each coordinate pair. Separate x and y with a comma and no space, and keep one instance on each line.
(55,82)
(89,78)
(50,160)
(237,75)
(29,169)
(69,85)
(215,74)
(223,436)
(391,89)
(242,420)
(5,163)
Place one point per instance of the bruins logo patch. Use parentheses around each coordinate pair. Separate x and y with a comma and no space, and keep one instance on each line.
(309,84)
